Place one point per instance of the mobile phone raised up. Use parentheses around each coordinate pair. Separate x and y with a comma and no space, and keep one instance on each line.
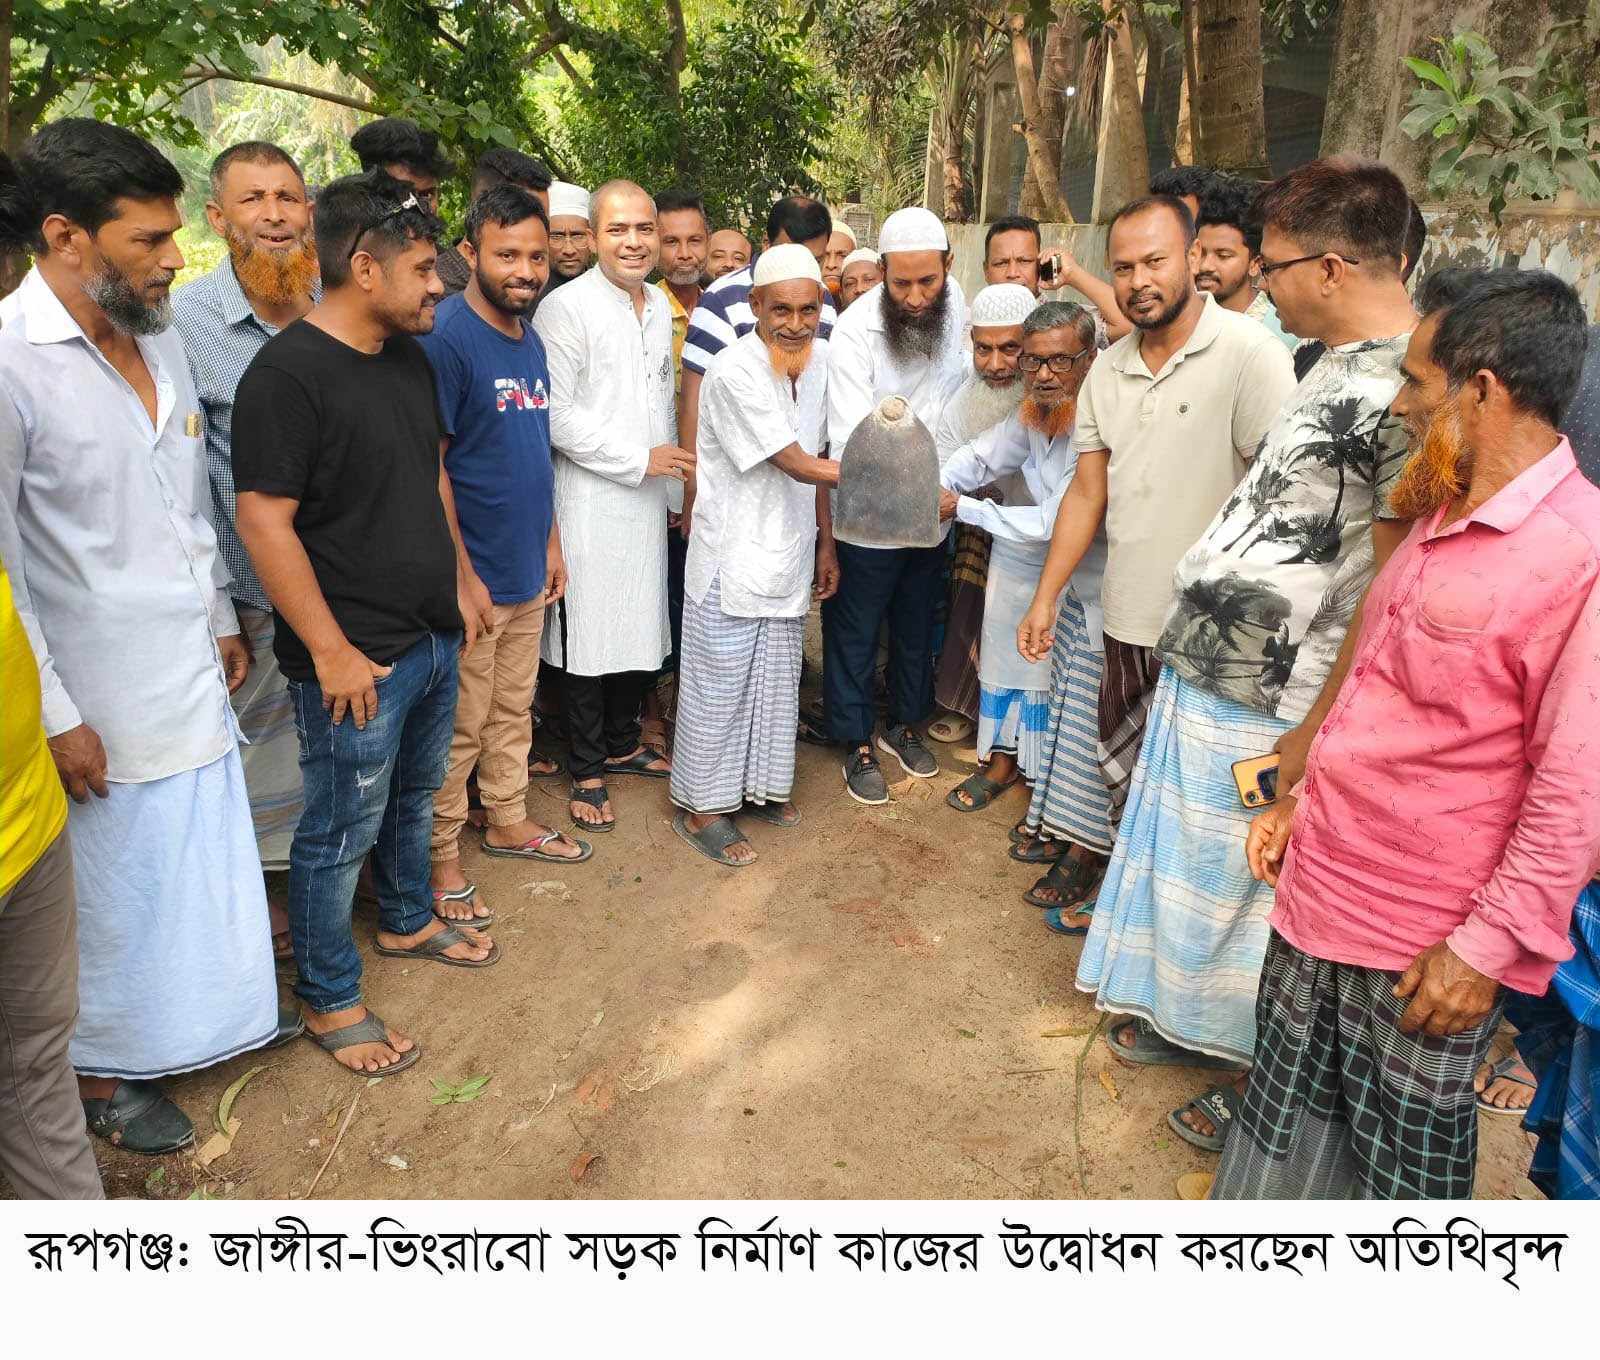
(1050,270)
(1257,780)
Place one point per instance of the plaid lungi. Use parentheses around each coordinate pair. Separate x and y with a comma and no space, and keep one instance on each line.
(738,705)
(1341,1104)
(1069,792)
(1126,685)
(955,682)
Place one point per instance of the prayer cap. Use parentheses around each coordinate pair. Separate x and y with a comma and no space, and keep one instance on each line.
(1002,304)
(782,263)
(568,200)
(844,229)
(860,255)
(912,229)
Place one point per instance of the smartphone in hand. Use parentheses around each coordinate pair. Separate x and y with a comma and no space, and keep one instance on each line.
(1257,780)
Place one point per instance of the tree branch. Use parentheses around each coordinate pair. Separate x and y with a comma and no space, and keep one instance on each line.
(201,74)
(570,71)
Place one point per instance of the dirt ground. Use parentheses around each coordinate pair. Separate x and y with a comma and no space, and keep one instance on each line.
(869,1011)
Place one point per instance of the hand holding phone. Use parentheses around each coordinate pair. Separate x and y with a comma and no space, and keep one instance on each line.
(1051,270)
(1257,780)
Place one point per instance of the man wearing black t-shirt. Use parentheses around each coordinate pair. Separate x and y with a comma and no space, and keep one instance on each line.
(350,525)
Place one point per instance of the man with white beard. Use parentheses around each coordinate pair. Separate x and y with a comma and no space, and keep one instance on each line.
(991,393)
(260,208)
(1033,711)
(763,421)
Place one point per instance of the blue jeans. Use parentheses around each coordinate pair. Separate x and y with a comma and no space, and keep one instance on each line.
(902,586)
(367,789)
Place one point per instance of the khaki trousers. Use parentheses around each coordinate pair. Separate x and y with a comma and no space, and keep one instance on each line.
(44,1146)
(494,726)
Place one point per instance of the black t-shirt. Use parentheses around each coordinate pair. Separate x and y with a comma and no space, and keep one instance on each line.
(354,438)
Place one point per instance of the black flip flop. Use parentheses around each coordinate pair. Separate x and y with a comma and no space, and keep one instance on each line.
(981,789)
(431,950)
(1221,1105)
(640,765)
(1151,1048)
(367,1030)
(595,798)
(556,773)
(714,840)
(771,814)
(1036,850)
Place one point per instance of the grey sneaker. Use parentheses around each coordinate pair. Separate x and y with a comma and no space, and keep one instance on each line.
(905,745)
(863,779)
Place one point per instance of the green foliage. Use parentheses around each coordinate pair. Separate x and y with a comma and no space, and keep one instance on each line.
(1505,132)
(751,116)
(444,1093)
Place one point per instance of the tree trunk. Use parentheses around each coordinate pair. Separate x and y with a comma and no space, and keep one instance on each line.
(1183,141)
(677,56)
(1227,97)
(6,13)
(952,93)
(1122,162)
(1044,155)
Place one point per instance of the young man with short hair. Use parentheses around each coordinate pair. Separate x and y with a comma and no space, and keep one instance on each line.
(498,165)
(1228,248)
(1013,252)
(404,152)
(345,509)
(494,404)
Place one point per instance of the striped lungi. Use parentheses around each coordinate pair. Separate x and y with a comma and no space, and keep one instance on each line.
(270,752)
(1341,1104)
(1070,802)
(1014,721)
(738,707)
(955,682)
(1180,925)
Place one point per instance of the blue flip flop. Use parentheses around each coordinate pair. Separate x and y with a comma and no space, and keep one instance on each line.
(1055,919)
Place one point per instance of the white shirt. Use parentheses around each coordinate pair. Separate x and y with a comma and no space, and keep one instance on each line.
(1022,529)
(610,404)
(103,529)
(862,370)
(753,523)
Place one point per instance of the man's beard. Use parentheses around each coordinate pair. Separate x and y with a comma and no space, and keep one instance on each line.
(114,294)
(1437,472)
(1221,294)
(1053,420)
(502,301)
(276,277)
(979,405)
(788,363)
(910,336)
(684,278)
(1162,319)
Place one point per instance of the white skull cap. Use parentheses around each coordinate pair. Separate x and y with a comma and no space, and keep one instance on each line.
(860,255)
(912,229)
(1002,304)
(568,200)
(782,263)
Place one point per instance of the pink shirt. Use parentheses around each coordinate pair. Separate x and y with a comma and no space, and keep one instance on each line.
(1453,793)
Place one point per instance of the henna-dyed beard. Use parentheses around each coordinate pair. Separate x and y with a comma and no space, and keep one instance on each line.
(1051,421)
(276,277)
(788,363)
(1437,472)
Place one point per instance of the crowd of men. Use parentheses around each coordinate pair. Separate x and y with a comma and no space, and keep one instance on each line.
(295,559)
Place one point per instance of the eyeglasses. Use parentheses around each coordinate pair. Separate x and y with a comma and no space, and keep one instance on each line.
(1059,363)
(408,204)
(1266,268)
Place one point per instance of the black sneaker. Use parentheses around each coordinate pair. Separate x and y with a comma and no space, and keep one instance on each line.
(864,780)
(905,745)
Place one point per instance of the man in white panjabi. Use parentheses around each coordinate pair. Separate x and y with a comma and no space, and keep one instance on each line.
(117,579)
(747,582)
(1041,713)
(905,338)
(992,391)
(608,338)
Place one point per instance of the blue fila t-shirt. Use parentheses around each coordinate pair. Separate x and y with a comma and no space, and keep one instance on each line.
(494,401)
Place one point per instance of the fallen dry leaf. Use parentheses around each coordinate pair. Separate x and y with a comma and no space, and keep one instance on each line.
(225,1105)
(1111,1086)
(218,1145)
(1194,1184)
(581,1164)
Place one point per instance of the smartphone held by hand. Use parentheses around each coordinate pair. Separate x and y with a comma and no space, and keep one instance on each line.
(1257,780)
(1050,270)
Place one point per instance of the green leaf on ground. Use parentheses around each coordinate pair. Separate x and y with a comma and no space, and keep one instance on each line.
(446,1094)
(967,1033)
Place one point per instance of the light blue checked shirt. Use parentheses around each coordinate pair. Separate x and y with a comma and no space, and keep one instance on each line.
(222,334)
